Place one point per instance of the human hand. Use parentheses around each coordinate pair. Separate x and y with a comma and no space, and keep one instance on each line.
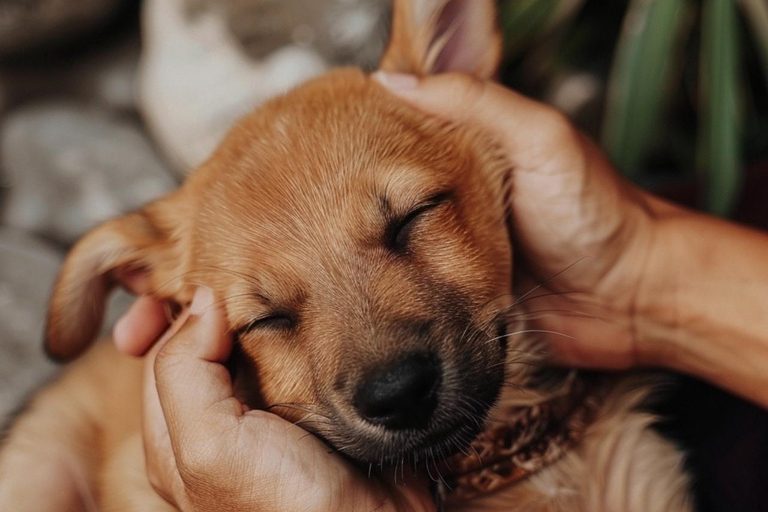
(206,451)
(582,233)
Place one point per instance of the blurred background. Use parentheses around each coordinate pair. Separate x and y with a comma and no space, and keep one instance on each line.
(106,104)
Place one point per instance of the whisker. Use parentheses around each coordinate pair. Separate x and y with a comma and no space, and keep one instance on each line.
(301,421)
(482,309)
(531,331)
(516,387)
(549,280)
(532,315)
(479,459)
(291,404)
(437,469)
(298,407)
(429,473)
(306,435)
(534,297)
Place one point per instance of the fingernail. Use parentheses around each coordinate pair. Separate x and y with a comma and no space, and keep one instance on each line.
(396,81)
(202,301)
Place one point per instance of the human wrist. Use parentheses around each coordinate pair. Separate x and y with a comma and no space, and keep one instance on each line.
(701,311)
(674,323)
(657,310)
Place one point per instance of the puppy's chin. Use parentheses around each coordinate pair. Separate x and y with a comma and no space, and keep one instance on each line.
(450,431)
(410,446)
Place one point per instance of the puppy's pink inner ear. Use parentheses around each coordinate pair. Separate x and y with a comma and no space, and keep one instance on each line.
(434,36)
(459,40)
(462,36)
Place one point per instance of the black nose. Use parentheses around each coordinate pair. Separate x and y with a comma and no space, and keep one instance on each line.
(402,395)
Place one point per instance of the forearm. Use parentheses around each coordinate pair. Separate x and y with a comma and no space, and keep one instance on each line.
(705,305)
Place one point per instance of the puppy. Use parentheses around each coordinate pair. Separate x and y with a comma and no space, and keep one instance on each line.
(361,251)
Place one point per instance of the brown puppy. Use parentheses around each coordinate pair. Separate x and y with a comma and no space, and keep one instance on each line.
(361,251)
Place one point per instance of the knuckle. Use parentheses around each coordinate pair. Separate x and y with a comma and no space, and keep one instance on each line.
(466,87)
(196,467)
(192,472)
(191,464)
(556,126)
(466,84)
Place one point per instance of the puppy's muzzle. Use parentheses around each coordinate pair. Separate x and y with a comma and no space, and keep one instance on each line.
(403,395)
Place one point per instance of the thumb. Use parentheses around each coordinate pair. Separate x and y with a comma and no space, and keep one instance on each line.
(512,118)
(194,387)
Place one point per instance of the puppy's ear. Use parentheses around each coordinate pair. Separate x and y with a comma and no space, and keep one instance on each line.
(140,251)
(438,36)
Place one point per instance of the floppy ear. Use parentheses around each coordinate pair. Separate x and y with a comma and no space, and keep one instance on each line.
(438,36)
(140,251)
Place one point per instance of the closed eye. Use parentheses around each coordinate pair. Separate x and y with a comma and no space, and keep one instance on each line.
(399,231)
(274,322)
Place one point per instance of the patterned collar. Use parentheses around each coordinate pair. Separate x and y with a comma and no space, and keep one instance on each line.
(521,440)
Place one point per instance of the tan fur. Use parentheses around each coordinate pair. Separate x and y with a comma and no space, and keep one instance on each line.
(59,453)
(293,213)
(622,465)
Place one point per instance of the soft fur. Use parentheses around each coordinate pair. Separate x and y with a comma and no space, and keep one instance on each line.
(299,218)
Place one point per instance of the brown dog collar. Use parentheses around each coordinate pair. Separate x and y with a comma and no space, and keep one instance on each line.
(519,441)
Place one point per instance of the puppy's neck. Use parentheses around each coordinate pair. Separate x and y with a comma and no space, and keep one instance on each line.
(520,439)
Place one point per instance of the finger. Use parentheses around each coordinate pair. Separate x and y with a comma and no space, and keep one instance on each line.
(161,464)
(140,327)
(194,387)
(513,118)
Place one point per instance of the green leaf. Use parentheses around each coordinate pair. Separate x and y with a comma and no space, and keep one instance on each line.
(756,14)
(651,36)
(720,133)
(523,21)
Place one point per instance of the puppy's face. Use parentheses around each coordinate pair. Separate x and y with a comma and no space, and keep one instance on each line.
(361,252)
(359,249)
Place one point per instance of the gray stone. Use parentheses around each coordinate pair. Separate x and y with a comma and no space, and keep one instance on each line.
(68,167)
(28,24)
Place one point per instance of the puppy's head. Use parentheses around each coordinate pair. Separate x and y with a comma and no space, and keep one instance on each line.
(358,246)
